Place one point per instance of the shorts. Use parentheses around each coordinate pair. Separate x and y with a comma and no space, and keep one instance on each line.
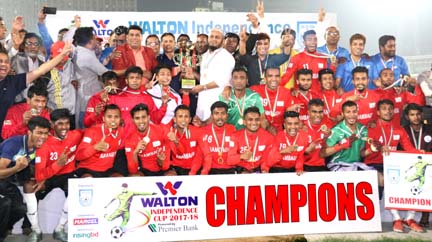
(180,170)
(96,174)
(25,175)
(147,172)
(241,169)
(378,167)
(281,170)
(314,168)
(216,171)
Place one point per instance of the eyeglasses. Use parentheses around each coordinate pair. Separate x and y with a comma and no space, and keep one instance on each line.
(152,44)
(34,44)
(333,33)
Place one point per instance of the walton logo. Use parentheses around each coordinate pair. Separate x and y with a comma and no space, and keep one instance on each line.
(152,227)
(101,23)
(169,187)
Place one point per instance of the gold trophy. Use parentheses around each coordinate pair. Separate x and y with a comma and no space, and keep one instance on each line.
(187,57)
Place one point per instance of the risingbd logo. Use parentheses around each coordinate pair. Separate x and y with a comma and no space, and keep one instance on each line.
(169,187)
(101,23)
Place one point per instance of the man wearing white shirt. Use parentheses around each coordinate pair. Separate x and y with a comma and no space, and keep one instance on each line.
(216,66)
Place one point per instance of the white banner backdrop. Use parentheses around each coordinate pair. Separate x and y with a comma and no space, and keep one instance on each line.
(408,181)
(222,206)
(191,23)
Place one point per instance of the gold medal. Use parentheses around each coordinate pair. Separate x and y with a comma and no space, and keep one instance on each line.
(146,139)
(240,121)
(295,147)
(324,128)
(220,159)
(333,59)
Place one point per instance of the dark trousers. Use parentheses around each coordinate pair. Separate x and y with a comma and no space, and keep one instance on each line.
(12,207)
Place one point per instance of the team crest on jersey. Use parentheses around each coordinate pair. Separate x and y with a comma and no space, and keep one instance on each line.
(86,197)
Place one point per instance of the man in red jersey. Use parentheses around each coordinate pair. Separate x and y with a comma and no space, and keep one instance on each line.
(132,96)
(304,94)
(183,138)
(253,143)
(146,147)
(386,137)
(275,99)
(319,128)
(55,163)
(308,59)
(287,154)
(18,115)
(329,94)
(99,146)
(96,104)
(365,99)
(217,140)
(398,95)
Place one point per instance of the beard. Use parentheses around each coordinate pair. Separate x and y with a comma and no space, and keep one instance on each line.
(213,48)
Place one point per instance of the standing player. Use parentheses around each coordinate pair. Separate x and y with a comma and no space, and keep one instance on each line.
(364,98)
(304,93)
(287,154)
(275,99)
(329,94)
(386,137)
(55,163)
(253,143)
(308,59)
(146,147)
(99,146)
(420,136)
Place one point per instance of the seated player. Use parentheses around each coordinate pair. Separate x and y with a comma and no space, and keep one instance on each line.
(146,147)
(55,163)
(99,146)
(253,143)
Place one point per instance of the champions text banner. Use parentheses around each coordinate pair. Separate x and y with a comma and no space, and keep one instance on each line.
(222,206)
(191,23)
(408,181)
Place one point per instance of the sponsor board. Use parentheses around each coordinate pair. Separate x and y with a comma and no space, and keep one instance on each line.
(202,207)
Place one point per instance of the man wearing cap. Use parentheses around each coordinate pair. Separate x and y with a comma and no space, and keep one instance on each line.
(216,66)
(308,59)
(119,40)
(288,37)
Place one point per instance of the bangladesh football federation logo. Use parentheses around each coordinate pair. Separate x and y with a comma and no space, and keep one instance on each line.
(86,197)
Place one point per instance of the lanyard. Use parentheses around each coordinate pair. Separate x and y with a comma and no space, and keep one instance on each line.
(240,109)
(220,148)
(272,109)
(294,143)
(321,128)
(110,133)
(357,133)
(355,64)
(146,138)
(326,103)
(384,135)
(261,69)
(252,159)
(384,63)
(185,131)
(417,143)
(205,66)
(305,97)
